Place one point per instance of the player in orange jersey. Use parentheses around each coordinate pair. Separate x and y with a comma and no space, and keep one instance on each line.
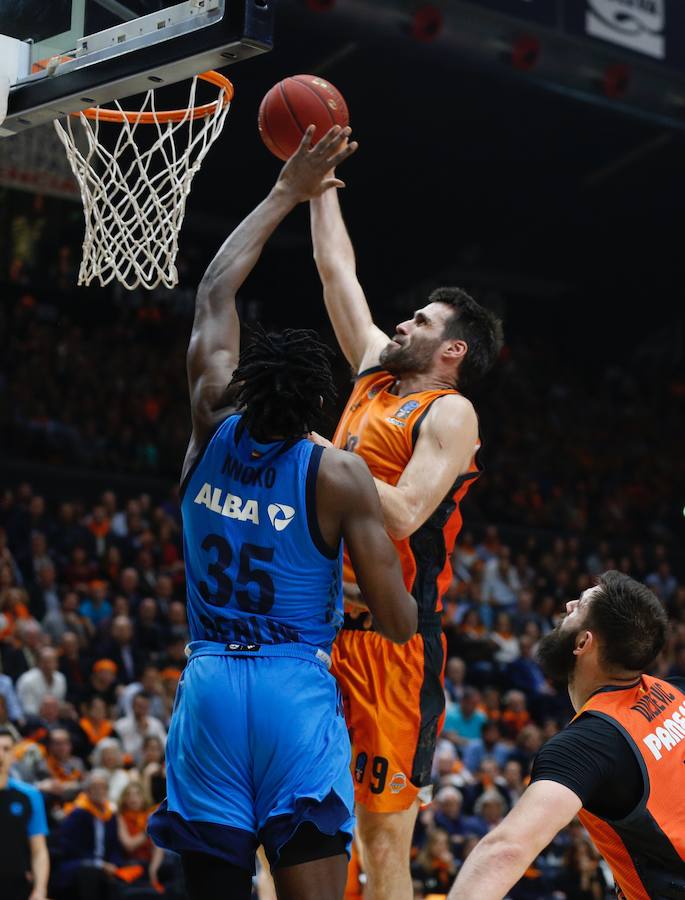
(419,437)
(618,766)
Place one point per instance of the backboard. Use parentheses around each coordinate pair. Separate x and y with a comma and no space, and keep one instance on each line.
(73,54)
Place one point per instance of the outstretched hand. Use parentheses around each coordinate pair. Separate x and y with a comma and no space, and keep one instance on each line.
(308,172)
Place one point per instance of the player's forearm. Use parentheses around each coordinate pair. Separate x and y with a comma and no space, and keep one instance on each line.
(40,869)
(330,239)
(398,515)
(491,869)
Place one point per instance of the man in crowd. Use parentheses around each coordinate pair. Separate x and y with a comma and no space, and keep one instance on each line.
(38,682)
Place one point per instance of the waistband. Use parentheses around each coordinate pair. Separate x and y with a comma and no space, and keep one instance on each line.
(233,648)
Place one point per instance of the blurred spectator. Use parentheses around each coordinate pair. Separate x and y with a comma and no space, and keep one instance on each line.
(7,692)
(38,682)
(108,757)
(515,715)
(662,582)
(464,721)
(449,802)
(435,867)
(121,649)
(95,723)
(73,665)
(21,654)
(501,581)
(489,744)
(44,595)
(134,728)
(90,851)
(151,684)
(153,769)
(490,809)
(59,774)
(582,877)
(102,682)
(455,671)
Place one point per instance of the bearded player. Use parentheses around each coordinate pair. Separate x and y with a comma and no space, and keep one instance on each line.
(419,436)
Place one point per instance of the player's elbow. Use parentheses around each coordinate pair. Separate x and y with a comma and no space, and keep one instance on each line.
(400,526)
(404,622)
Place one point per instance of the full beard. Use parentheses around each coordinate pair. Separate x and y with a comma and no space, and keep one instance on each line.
(555,655)
(400,360)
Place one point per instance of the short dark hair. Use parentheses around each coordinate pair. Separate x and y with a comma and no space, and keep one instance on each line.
(473,323)
(7,732)
(630,620)
(282,379)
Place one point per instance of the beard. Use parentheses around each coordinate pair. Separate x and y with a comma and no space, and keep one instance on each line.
(555,655)
(415,358)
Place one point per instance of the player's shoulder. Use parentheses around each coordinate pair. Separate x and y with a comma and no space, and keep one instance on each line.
(22,787)
(451,412)
(342,466)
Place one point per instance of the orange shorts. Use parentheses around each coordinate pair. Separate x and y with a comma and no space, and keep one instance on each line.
(394,707)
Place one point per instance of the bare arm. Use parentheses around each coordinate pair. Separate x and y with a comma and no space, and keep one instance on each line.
(360,340)
(501,858)
(215,339)
(346,484)
(40,866)
(446,444)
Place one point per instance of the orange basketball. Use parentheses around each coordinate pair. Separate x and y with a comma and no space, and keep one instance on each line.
(295,103)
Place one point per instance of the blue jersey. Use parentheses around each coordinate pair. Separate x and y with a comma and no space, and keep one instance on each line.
(257,568)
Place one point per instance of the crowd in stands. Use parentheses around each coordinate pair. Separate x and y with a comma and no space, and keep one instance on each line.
(92,635)
(92,608)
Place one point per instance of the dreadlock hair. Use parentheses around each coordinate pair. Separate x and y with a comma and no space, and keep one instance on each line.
(473,323)
(281,380)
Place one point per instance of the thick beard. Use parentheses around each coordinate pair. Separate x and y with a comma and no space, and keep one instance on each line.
(555,655)
(400,360)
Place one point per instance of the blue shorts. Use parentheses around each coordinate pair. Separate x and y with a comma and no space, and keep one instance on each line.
(257,745)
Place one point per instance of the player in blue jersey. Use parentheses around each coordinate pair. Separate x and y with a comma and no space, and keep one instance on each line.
(258,751)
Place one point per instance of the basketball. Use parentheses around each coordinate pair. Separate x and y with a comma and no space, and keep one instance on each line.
(295,103)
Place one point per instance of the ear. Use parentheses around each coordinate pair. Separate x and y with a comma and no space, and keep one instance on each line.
(456,349)
(584,643)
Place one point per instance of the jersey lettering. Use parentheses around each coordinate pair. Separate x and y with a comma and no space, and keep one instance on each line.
(668,734)
(233,507)
(249,475)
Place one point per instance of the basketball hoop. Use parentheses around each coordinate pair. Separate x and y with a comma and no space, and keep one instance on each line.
(134,199)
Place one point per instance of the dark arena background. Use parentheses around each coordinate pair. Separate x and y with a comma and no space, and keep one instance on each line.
(509,147)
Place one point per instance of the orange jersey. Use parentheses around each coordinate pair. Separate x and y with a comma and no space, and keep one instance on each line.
(646,850)
(383,429)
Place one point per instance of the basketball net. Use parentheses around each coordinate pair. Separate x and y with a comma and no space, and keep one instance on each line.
(134,199)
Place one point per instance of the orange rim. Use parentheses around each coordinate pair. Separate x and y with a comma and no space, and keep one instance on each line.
(169,115)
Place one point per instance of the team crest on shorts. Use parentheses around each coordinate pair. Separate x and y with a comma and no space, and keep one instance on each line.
(359,767)
(398,782)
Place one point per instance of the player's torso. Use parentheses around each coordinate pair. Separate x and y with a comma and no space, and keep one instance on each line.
(650,843)
(383,429)
(254,572)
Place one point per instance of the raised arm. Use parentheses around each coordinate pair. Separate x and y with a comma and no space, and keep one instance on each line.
(215,339)
(495,865)
(444,449)
(360,340)
(348,502)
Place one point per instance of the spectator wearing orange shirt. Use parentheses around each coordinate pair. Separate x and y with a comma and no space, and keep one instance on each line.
(95,723)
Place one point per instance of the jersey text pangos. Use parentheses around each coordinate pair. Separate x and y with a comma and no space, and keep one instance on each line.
(668,734)
(232,506)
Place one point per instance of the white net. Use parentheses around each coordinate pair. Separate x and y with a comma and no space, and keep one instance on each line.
(134,191)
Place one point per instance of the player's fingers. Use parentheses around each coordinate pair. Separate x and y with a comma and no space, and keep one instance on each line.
(328,142)
(342,155)
(306,141)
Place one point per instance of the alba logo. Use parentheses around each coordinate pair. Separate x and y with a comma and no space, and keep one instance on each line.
(281,515)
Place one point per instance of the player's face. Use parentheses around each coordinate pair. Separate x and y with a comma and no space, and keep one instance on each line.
(417,341)
(555,650)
